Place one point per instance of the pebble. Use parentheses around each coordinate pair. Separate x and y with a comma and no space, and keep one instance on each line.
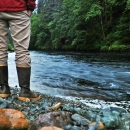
(74,104)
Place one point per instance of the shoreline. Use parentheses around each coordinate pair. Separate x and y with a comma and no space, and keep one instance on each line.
(26,107)
(90,109)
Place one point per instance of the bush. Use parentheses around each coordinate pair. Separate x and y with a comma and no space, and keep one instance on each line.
(104,48)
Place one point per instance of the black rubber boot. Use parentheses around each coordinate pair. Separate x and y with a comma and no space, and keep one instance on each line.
(4,88)
(24,82)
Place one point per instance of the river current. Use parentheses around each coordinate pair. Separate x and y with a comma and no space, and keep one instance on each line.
(89,75)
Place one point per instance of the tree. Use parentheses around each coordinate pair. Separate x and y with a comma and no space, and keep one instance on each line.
(81,25)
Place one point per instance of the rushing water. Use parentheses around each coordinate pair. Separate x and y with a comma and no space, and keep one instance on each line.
(90,75)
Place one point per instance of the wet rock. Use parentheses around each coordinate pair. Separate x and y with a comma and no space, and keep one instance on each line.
(110,109)
(118,109)
(59,119)
(68,107)
(125,121)
(114,114)
(70,127)
(96,126)
(81,119)
(90,115)
(13,119)
(50,128)
(45,106)
(75,128)
(77,110)
(3,103)
(111,121)
(111,116)
(54,107)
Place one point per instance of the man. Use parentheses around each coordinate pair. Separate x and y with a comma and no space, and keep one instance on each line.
(15,14)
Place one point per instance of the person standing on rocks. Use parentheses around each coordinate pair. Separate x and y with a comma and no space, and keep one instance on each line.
(15,14)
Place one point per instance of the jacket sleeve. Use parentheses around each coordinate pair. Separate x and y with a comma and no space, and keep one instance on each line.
(31,5)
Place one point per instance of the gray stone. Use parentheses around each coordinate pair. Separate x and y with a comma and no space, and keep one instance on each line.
(3,103)
(67,127)
(125,121)
(59,119)
(111,121)
(81,119)
(118,109)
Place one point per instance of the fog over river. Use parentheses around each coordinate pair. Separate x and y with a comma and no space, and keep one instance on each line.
(89,75)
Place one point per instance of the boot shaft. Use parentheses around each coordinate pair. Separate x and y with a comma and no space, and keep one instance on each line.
(4,88)
(24,77)
(24,83)
(4,75)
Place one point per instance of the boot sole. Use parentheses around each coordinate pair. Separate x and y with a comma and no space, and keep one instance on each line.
(4,95)
(27,99)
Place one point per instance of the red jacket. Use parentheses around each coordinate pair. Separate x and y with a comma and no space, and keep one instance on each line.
(16,5)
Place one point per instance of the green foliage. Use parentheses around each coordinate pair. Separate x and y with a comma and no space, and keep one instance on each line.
(81,25)
(10,47)
(123,29)
(35,30)
(104,48)
(94,11)
(10,42)
(115,47)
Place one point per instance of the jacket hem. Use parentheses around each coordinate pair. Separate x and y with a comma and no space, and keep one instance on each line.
(12,9)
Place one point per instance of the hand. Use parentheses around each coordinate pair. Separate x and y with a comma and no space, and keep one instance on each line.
(29,12)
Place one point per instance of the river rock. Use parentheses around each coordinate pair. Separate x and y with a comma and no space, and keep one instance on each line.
(111,116)
(111,109)
(96,126)
(125,121)
(3,103)
(58,119)
(118,109)
(111,121)
(90,115)
(78,118)
(50,128)
(13,119)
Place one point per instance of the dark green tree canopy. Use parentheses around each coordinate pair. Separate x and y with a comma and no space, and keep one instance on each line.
(81,25)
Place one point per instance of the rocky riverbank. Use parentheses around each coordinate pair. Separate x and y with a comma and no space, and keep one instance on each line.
(114,115)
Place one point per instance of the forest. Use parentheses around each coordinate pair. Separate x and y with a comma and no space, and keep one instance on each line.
(81,25)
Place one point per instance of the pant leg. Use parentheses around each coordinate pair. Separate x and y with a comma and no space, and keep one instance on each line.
(3,41)
(20,31)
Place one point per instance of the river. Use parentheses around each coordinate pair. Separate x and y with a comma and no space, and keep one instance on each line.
(89,75)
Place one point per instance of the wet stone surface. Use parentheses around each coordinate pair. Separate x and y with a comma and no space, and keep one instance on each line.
(114,115)
(11,119)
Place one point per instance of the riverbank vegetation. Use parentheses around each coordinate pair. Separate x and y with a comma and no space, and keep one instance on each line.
(81,25)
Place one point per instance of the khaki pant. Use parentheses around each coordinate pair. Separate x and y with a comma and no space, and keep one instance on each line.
(19,24)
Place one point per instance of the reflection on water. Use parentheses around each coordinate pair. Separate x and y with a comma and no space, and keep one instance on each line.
(94,75)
